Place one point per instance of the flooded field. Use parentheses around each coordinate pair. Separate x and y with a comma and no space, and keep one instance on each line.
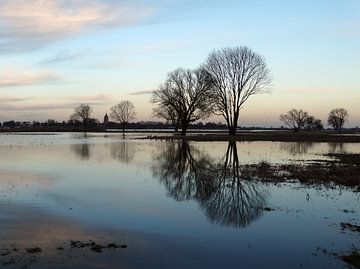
(103,201)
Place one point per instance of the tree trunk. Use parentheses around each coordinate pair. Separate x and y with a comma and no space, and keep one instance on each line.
(184,127)
(183,130)
(232,130)
(123,129)
(85,127)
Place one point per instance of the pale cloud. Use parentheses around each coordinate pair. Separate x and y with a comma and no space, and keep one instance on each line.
(105,65)
(37,106)
(44,103)
(64,56)
(21,78)
(307,91)
(90,98)
(11,99)
(145,92)
(27,25)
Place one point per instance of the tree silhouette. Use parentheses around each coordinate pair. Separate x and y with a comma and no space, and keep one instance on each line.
(123,112)
(337,118)
(236,74)
(82,112)
(295,119)
(184,97)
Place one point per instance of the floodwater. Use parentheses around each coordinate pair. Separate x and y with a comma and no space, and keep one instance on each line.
(172,204)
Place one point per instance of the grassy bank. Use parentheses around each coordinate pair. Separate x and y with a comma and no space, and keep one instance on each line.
(283,136)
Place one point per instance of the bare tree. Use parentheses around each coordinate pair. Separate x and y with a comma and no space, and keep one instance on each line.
(185,97)
(82,112)
(337,118)
(313,124)
(167,113)
(236,74)
(295,119)
(123,113)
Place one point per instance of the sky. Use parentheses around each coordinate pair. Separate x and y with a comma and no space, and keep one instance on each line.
(56,54)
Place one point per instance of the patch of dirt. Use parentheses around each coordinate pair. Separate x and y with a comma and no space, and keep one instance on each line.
(351,227)
(353,258)
(25,257)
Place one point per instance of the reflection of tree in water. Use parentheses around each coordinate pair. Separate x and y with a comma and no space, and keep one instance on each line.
(182,170)
(336,148)
(189,174)
(296,148)
(122,151)
(81,150)
(235,202)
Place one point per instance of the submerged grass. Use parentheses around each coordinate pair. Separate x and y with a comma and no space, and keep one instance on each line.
(343,170)
(353,258)
(345,158)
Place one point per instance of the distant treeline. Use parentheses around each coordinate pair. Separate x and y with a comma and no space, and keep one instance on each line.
(95,125)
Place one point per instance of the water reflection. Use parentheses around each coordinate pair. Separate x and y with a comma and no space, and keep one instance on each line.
(226,199)
(123,151)
(235,202)
(337,148)
(81,150)
(296,148)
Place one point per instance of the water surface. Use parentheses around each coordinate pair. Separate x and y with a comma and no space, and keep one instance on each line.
(174,204)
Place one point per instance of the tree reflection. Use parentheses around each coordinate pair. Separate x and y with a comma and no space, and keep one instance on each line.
(296,148)
(122,151)
(81,150)
(226,199)
(235,202)
(337,147)
(183,170)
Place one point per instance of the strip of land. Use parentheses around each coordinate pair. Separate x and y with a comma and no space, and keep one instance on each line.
(283,136)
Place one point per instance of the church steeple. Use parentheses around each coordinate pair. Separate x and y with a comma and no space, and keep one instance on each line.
(106,119)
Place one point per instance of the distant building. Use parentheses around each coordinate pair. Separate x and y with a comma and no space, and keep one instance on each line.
(106,119)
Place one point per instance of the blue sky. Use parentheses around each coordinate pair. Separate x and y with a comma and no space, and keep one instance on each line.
(55,54)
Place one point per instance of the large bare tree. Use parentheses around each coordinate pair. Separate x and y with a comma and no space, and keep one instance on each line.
(295,119)
(123,113)
(337,118)
(184,97)
(82,112)
(236,74)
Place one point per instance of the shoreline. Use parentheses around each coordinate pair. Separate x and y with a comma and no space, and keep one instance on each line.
(216,135)
(266,136)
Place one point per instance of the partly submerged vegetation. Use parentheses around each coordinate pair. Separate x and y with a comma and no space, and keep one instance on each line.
(328,173)
(282,136)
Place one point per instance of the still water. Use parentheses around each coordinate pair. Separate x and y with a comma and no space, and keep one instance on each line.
(173,204)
